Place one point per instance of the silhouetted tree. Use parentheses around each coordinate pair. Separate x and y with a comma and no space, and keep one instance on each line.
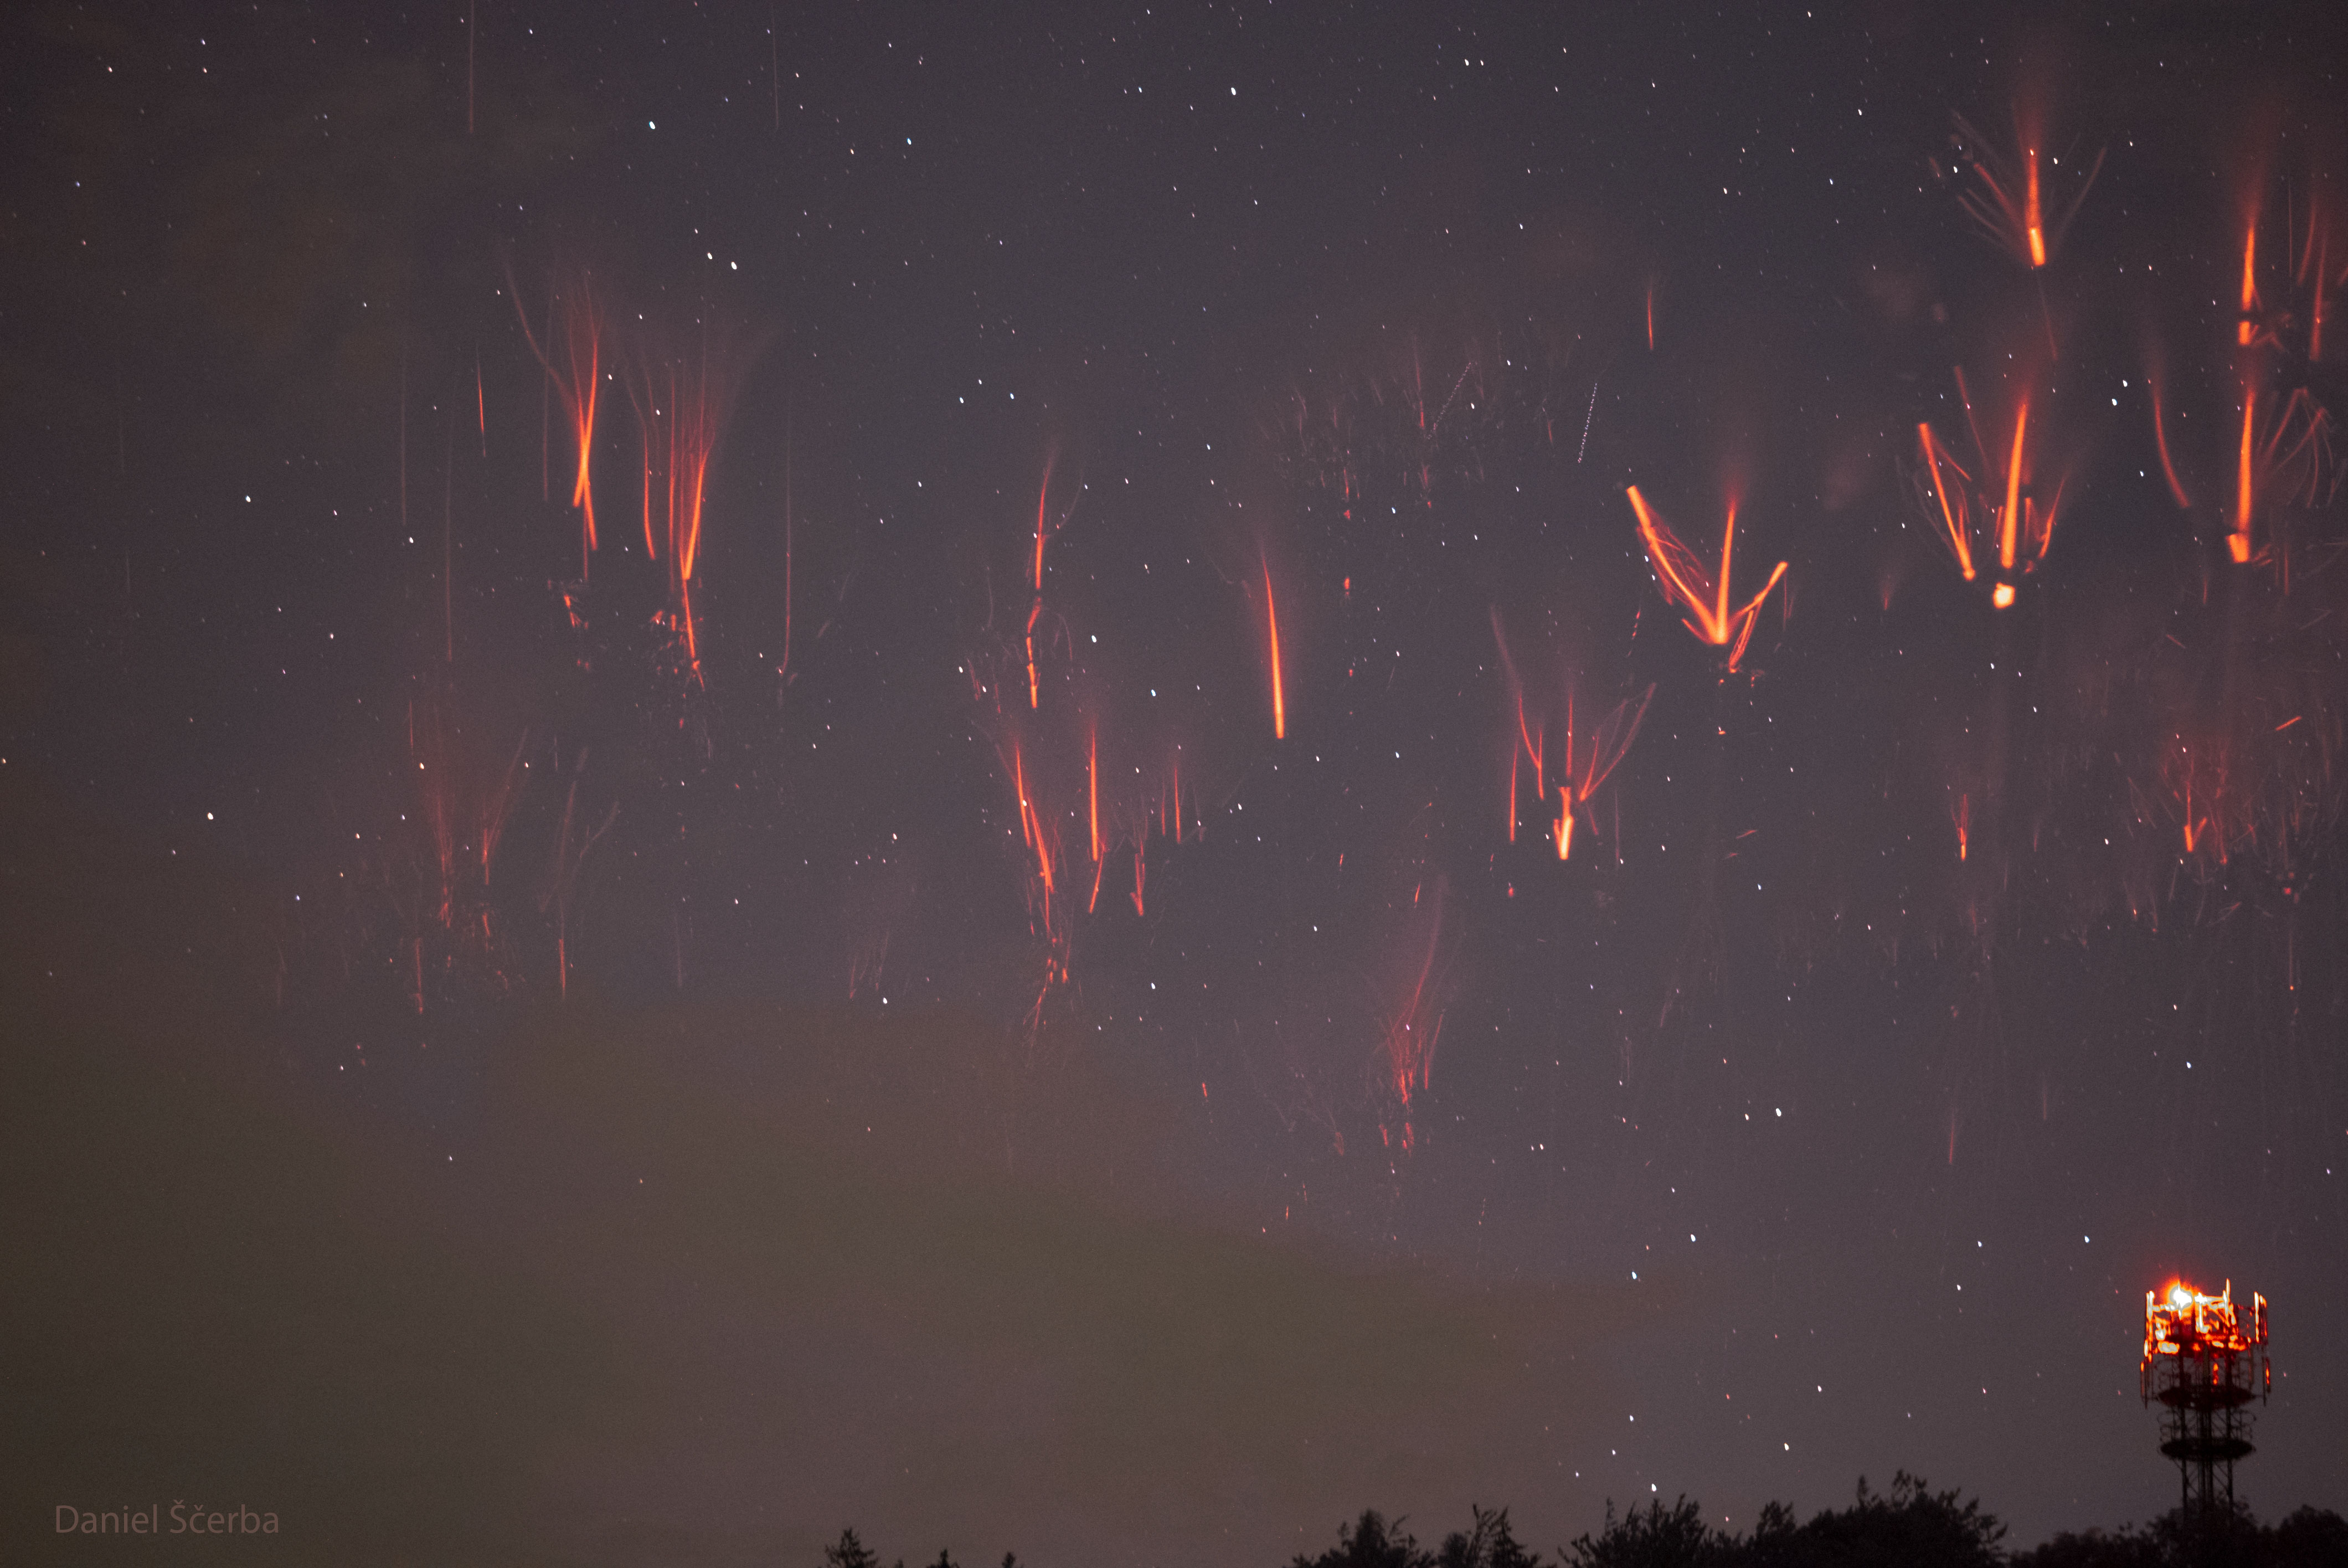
(850,1554)
(2310,1538)
(1661,1537)
(1913,1526)
(2126,1548)
(1490,1544)
(1370,1542)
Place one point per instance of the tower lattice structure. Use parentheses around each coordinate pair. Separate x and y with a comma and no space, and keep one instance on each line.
(2205,1361)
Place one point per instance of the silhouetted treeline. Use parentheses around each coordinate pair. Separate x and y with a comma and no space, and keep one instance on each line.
(2309,1538)
(1914,1527)
(1911,1526)
(851,1552)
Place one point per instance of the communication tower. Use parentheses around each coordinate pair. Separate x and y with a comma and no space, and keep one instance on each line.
(2205,1361)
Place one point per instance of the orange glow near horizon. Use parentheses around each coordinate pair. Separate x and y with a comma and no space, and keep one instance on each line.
(1684,579)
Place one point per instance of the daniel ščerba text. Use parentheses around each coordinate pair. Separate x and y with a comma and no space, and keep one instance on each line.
(180,1519)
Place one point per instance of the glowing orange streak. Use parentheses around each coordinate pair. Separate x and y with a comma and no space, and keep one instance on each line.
(1043,868)
(1681,577)
(1178,802)
(1272,621)
(1512,795)
(1410,1060)
(583,420)
(2029,213)
(1532,747)
(1516,693)
(2160,438)
(1036,609)
(579,395)
(1569,734)
(2238,544)
(1140,875)
(676,454)
(1608,746)
(2010,520)
(684,620)
(1564,832)
(1019,784)
(1040,496)
(2273,459)
(1093,903)
(1031,828)
(2042,526)
(1651,318)
(1957,531)
(1720,612)
(1684,579)
(690,549)
(2315,331)
(2245,329)
(1962,816)
(495,811)
(652,543)
(1092,794)
(644,399)
(1750,614)
(481,405)
(2019,226)
(1034,695)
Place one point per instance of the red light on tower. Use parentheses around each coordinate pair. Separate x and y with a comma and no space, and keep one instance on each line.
(2204,1361)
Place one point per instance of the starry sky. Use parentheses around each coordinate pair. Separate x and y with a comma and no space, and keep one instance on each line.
(1126,903)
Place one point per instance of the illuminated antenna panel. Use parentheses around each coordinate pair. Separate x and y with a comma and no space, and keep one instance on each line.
(2205,1361)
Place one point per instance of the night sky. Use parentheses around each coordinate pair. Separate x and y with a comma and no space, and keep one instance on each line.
(994,963)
